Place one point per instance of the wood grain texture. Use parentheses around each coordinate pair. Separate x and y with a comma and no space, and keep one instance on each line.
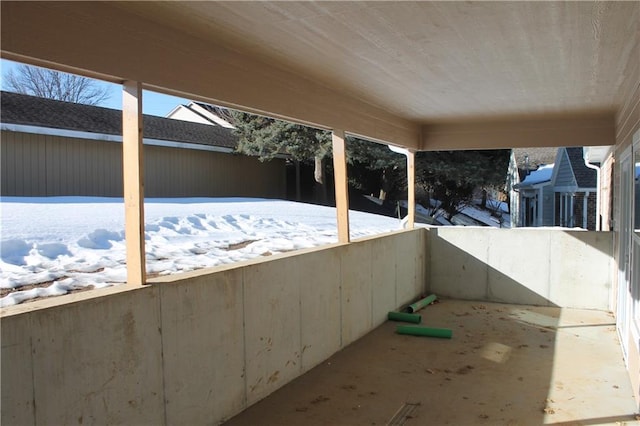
(342,190)
(132,162)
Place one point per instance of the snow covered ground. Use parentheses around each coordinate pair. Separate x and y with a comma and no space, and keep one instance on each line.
(54,245)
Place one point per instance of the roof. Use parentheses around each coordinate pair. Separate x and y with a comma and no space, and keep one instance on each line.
(213,113)
(585,177)
(34,111)
(537,156)
(541,175)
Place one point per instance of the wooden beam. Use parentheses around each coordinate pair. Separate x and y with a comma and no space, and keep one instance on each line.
(132,165)
(587,129)
(411,189)
(341,186)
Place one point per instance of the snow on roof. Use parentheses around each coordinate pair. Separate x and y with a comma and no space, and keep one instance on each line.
(543,174)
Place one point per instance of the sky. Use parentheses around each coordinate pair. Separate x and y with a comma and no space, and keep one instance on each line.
(153,103)
(58,244)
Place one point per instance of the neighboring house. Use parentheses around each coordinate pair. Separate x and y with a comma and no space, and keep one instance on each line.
(562,193)
(199,112)
(53,148)
(522,163)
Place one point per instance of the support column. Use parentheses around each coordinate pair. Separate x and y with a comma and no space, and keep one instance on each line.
(585,210)
(411,189)
(133,173)
(341,185)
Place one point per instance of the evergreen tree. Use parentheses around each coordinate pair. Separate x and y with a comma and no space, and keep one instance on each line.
(451,176)
(267,137)
(448,176)
(374,167)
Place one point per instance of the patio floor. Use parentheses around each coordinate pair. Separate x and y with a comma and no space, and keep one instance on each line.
(505,365)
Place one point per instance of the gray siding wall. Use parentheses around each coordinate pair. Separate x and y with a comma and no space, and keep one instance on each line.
(565,174)
(40,165)
(548,206)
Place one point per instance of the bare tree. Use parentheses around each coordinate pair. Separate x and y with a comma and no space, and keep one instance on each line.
(46,83)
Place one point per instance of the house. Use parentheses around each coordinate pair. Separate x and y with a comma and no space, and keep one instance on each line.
(52,148)
(201,347)
(523,162)
(558,193)
(199,112)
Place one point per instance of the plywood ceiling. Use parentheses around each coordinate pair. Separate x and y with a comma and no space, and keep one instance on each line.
(432,61)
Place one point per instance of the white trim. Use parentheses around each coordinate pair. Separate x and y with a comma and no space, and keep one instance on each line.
(184,113)
(634,240)
(585,212)
(50,131)
(598,213)
(174,110)
(65,133)
(210,116)
(532,186)
(540,212)
(597,154)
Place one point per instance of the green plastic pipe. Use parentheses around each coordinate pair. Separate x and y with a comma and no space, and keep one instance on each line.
(401,316)
(443,333)
(421,303)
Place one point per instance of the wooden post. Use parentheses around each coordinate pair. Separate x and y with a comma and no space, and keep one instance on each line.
(341,186)
(411,189)
(133,178)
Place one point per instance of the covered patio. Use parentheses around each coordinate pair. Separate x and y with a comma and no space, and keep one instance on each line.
(506,364)
(202,347)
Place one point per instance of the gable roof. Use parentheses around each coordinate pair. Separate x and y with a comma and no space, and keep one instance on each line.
(585,177)
(211,113)
(198,112)
(548,172)
(40,112)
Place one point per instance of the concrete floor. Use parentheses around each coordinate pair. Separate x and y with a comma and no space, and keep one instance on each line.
(505,365)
